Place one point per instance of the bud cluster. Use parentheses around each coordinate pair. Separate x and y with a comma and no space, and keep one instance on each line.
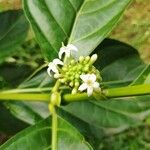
(70,72)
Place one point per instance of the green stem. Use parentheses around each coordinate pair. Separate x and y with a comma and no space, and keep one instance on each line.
(128,91)
(54,129)
(110,93)
(113,92)
(24,96)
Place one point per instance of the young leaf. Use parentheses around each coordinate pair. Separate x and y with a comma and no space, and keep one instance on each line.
(13,31)
(39,136)
(83,23)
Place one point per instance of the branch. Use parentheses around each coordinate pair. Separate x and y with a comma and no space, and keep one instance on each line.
(109,93)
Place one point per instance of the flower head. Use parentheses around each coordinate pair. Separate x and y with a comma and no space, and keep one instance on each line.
(53,66)
(89,83)
(69,50)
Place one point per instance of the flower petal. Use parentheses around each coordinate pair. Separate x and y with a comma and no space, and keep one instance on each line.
(57,62)
(54,69)
(71,47)
(61,51)
(92,77)
(84,77)
(83,87)
(96,85)
(89,90)
(49,71)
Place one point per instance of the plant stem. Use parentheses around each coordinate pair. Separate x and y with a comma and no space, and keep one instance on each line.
(128,91)
(110,93)
(24,96)
(54,129)
(113,92)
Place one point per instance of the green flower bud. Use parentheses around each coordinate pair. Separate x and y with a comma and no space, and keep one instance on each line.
(71,78)
(77,76)
(86,68)
(77,84)
(72,62)
(71,84)
(74,91)
(56,76)
(63,80)
(80,67)
(81,59)
(93,58)
(87,58)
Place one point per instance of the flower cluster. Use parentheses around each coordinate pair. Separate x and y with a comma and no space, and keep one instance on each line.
(79,74)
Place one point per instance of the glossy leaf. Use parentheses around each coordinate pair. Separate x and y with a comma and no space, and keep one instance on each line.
(31,112)
(39,136)
(83,23)
(110,116)
(118,62)
(13,31)
(144,76)
(8,123)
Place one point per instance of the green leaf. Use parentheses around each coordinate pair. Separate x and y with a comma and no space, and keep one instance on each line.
(28,112)
(119,63)
(83,23)
(31,112)
(111,116)
(144,76)
(8,123)
(13,31)
(14,74)
(39,136)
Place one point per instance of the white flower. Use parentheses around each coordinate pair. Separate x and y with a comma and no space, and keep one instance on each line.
(52,66)
(69,50)
(89,83)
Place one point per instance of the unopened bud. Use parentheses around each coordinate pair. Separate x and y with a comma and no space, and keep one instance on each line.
(77,76)
(86,68)
(72,62)
(93,58)
(63,80)
(87,58)
(56,76)
(81,59)
(77,84)
(74,91)
(71,84)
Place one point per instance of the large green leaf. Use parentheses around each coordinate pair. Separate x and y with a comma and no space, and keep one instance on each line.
(83,23)
(13,74)
(31,112)
(118,62)
(8,123)
(13,31)
(110,116)
(39,136)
